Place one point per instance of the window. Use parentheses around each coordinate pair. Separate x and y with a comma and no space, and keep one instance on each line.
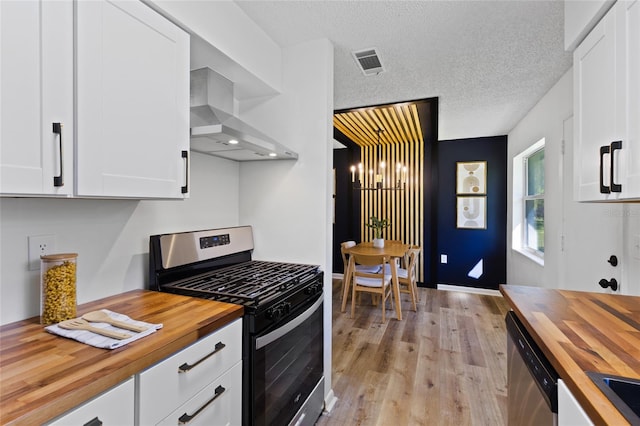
(528,202)
(534,201)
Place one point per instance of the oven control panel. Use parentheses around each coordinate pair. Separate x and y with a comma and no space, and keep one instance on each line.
(214,241)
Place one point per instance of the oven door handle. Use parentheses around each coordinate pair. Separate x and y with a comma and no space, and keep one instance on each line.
(278,333)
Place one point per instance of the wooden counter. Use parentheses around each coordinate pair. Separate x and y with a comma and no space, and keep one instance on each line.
(43,375)
(581,331)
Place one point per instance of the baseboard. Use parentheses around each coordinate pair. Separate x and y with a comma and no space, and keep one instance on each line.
(329,402)
(485,291)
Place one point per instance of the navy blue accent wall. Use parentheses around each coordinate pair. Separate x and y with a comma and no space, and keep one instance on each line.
(466,247)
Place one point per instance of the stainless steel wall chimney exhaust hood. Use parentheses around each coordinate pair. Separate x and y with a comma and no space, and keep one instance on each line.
(216,131)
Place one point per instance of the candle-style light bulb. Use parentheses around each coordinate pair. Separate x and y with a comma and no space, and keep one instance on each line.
(353,174)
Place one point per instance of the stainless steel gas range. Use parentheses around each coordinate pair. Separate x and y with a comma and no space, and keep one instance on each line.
(283,381)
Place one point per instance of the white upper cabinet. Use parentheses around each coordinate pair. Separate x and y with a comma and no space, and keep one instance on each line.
(132,101)
(130,138)
(630,168)
(606,91)
(36,91)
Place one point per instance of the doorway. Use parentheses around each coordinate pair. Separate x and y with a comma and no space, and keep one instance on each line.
(411,207)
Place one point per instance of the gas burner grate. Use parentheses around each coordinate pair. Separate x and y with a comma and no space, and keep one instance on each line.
(248,283)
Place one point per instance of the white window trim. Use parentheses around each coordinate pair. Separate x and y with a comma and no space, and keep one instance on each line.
(518,243)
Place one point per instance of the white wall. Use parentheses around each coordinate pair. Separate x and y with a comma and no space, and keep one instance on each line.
(631,259)
(545,120)
(111,237)
(288,202)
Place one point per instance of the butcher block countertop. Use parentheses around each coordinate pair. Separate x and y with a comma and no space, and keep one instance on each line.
(43,375)
(582,331)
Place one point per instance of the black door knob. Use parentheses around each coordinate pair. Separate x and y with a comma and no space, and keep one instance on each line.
(613,283)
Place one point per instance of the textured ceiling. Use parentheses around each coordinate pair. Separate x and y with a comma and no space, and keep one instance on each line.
(488,62)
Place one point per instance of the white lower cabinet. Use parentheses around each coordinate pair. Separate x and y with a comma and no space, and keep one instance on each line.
(114,407)
(187,380)
(219,404)
(570,413)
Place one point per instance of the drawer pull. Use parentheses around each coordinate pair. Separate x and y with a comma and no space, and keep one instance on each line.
(93,422)
(186,366)
(186,418)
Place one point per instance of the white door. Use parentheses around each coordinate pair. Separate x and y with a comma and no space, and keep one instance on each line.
(132,102)
(36,90)
(592,232)
(598,113)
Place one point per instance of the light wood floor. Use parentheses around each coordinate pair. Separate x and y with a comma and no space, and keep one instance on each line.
(445,364)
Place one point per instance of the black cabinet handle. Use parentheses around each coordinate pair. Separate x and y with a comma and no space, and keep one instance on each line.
(93,422)
(614,186)
(59,180)
(186,418)
(603,188)
(185,188)
(186,366)
(613,260)
(613,283)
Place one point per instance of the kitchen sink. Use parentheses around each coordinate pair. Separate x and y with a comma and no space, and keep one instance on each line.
(623,392)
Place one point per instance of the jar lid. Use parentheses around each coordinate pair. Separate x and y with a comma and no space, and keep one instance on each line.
(59,256)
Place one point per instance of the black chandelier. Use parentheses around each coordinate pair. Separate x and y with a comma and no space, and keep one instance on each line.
(379,177)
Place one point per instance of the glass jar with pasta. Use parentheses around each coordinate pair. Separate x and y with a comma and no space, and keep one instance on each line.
(58,287)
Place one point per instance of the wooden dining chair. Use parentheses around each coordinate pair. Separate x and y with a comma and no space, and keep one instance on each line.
(377,284)
(346,279)
(407,277)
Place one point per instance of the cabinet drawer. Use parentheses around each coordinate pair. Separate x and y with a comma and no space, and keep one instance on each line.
(114,407)
(218,404)
(168,384)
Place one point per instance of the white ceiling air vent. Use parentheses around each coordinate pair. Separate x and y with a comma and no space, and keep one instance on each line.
(368,61)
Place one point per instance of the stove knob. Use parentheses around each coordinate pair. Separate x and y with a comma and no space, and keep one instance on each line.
(274,313)
(286,307)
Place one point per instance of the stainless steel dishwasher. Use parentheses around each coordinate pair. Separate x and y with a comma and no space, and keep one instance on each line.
(532,383)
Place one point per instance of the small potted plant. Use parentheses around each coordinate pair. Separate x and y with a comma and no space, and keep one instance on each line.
(377,225)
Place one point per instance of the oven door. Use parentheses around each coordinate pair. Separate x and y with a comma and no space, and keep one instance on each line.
(288,365)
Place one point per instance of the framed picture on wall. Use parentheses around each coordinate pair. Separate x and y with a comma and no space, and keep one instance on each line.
(471,177)
(471,212)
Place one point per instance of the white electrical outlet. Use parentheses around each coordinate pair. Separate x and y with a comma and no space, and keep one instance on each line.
(443,258)
(39,245)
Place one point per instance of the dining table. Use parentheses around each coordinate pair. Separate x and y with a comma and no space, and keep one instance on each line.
(396,250)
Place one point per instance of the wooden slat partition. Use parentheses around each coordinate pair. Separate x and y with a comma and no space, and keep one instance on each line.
(401,141)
